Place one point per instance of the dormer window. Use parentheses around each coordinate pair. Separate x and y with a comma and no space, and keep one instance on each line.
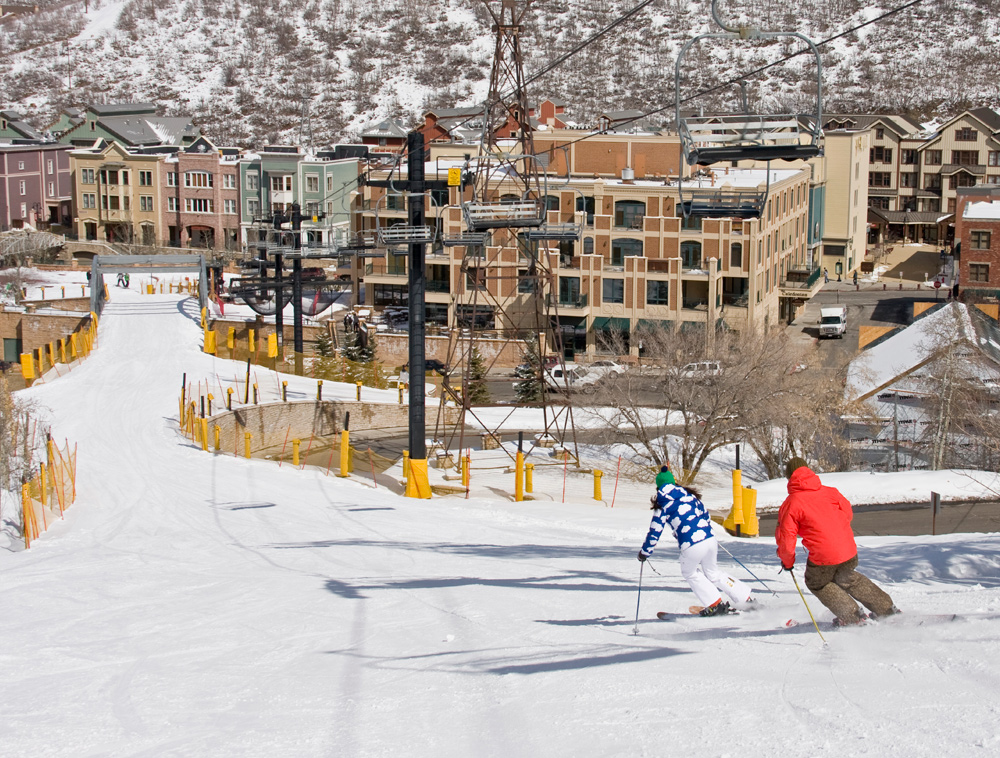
(965,134)
(93,126)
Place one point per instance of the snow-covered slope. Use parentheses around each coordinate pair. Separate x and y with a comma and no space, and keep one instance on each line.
(324,69)
(193,604)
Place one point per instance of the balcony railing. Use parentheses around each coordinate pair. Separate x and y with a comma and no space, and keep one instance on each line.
(802,279)
(436,285)
(579,301)
(694,303)
(735,301)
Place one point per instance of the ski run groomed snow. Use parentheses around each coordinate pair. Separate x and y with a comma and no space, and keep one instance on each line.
(204,605)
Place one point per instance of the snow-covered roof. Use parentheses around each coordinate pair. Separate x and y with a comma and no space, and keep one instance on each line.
(982,210)
(906,350)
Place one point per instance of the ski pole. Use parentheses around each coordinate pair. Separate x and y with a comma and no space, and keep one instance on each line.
(748,570)
(635,629)
(807,607)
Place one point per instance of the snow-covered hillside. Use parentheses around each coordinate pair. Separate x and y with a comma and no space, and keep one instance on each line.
(193,604)
(324,69)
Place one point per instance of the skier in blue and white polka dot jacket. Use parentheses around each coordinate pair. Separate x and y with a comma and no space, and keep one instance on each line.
(688,518)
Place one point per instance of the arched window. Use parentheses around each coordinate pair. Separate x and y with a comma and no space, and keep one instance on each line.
(551,202)
(736,255)
(588,245)
(691,254)
(622,248)
(629,214)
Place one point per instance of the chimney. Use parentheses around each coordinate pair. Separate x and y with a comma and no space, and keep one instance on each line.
(628,176)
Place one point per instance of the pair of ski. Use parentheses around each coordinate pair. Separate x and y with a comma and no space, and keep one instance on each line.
(694,610)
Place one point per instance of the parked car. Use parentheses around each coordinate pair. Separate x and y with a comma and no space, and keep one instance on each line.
(699,371)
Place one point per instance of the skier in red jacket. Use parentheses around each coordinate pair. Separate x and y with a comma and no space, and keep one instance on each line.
(822,517)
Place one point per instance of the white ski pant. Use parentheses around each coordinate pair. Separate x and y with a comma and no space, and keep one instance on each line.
(699,566)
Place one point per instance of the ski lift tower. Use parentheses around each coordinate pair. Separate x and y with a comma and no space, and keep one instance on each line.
(508,201)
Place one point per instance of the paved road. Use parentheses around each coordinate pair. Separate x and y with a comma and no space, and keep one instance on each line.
(912,520)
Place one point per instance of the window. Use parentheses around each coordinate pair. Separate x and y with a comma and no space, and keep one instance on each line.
(629,214)
(880,133)
(979,240)
(965,157)
(145,202)
(475,278)
(657,293)
(979,272)
(880,155)
(993,179)
(312,182)
(736,255)
(20,165)
(588,245)
(126,203)
(395,202)
(198,179)
(229,206)
(620,249)
(880,179)
(50,167)
(109,176)
(691,254)
(145,178)
(110,202)
(525,283)
(86,176)
(229,181)
(586,205)
(908,157)
(89,200)
(24,210)
(965,134)
(882,203)
(24,187)
(961,179)
(125,177)
(172,204)
(908,179)
(198,205)
(613,290)
(171,178)
(932,181)
(569,290)
(994,158)
(253,181)
(253,207)
(52,189)
(281,183)
(932,158)
(329,184)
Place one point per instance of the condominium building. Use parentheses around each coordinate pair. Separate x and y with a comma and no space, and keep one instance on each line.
(917,172)
(187,197)
(322,185)
(637,263)
(35,185)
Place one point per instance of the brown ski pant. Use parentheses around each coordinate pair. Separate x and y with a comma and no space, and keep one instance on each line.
(837,587)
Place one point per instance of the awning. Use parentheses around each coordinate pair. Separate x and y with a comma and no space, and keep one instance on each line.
(908,217)
(611,324)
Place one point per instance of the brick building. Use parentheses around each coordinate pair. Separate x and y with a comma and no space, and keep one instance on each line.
(200,195)
(978,237)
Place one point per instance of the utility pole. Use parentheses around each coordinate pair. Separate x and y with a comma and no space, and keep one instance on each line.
(415,185)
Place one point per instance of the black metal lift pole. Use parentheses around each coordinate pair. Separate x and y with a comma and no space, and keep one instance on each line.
(417,289)
(298,344)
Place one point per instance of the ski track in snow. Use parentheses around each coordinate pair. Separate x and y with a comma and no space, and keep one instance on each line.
(197,604)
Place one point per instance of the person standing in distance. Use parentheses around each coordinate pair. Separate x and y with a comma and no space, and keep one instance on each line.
(822,517)
(682,509)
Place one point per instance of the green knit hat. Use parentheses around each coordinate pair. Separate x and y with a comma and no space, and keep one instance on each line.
(664,477)
(792,465)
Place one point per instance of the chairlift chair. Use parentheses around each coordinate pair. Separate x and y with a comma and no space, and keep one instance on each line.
(743,137)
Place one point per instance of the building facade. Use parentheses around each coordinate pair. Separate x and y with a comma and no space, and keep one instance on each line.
(35,186)
(323,186)
(200,195)
(638,264)
(978,241)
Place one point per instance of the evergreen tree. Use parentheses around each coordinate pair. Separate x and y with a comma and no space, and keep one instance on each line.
(324,345)
(529,388)
(478,392)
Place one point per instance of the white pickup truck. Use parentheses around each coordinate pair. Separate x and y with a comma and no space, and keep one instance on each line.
(833,321)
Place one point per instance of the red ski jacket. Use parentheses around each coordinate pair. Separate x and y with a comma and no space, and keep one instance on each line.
(818,514)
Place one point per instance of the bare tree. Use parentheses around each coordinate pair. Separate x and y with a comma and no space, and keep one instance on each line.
(20,433)
(694,393)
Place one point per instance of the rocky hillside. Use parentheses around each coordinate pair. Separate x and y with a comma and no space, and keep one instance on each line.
(318,71)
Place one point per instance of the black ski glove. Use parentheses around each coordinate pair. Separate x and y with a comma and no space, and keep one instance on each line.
(789,569)
(642,557)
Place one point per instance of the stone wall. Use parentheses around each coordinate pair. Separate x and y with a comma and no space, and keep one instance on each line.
(393,350)
(38,329)
(272,423)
